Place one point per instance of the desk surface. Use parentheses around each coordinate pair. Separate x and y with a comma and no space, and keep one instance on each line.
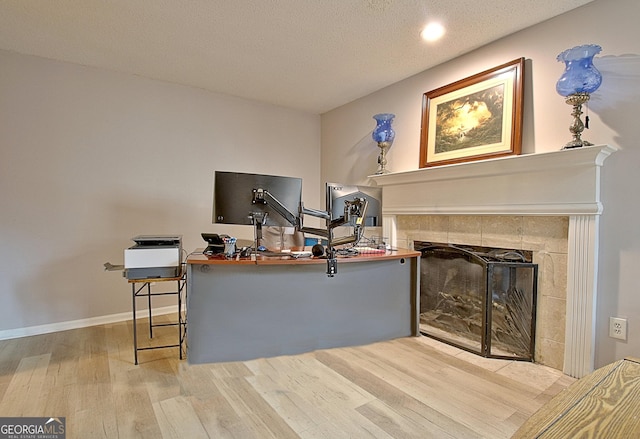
(198,258)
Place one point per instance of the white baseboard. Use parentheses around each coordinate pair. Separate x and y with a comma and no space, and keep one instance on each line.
(83,323)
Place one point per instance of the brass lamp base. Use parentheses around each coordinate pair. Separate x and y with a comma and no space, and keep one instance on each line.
(577,127)
(382,158)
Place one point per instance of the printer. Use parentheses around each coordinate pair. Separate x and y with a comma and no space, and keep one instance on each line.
(153,256)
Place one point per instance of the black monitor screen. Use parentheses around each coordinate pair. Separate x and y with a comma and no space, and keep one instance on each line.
(338,193)
(233,198)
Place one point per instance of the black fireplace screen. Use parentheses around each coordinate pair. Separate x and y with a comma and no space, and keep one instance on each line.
(479,299)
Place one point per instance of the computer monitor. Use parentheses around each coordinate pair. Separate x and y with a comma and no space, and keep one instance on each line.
(338,193)
(235,195)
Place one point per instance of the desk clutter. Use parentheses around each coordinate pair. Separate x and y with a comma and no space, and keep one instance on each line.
(226,246)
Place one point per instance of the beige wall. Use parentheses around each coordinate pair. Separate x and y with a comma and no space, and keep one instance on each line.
(90,158)
(349,153)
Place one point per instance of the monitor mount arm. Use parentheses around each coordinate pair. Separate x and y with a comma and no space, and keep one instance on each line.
(354,209)
(263,196)
(258,219)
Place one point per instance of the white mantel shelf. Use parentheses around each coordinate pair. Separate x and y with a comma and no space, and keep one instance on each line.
(561,182)
(565,182)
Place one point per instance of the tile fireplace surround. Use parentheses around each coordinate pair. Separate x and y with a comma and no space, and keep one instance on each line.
(548,203)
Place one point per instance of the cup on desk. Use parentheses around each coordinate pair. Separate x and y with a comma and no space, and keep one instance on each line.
(230,248)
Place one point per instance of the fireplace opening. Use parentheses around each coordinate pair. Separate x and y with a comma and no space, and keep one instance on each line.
(479,299)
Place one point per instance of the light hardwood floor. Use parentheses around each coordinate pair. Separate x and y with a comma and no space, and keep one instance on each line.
(405,388)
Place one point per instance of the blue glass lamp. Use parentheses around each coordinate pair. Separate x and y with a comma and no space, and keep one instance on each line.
(383,135)
(579,79)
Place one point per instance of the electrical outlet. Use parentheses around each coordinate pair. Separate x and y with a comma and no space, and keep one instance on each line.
(618,328)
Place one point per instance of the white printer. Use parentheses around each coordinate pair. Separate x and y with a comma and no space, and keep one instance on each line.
(153,256)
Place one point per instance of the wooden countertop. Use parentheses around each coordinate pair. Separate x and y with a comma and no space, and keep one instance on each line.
(198,258)
(604,404)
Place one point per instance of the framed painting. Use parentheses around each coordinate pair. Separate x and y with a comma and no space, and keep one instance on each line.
(476,118)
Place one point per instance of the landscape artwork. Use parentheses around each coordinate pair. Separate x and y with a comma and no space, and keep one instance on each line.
(476,118)
(473,120)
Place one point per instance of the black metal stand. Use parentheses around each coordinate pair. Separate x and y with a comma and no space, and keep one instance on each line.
(142,288)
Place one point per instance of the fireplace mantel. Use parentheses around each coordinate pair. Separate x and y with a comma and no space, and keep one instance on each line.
(564,182)
(559,183)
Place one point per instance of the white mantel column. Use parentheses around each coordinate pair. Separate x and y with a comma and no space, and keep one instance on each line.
(582,277)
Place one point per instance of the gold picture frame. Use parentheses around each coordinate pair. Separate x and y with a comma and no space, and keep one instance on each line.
(476,118)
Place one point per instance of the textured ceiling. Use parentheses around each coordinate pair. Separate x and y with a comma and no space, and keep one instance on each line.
(313,55)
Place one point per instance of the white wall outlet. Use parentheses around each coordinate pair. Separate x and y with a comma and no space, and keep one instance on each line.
(618,328)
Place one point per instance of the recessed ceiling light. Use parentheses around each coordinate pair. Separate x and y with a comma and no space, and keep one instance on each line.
(432,32)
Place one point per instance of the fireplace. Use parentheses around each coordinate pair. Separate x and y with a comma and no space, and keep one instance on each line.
(479,299)
(560,186)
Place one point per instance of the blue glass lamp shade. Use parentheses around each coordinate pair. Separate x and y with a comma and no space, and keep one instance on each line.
(383,135)
(580,75)
(383,131)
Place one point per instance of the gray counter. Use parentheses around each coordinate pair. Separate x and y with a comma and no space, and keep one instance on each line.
(243,311)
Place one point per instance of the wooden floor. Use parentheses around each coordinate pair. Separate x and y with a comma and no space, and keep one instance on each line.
(405,388)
